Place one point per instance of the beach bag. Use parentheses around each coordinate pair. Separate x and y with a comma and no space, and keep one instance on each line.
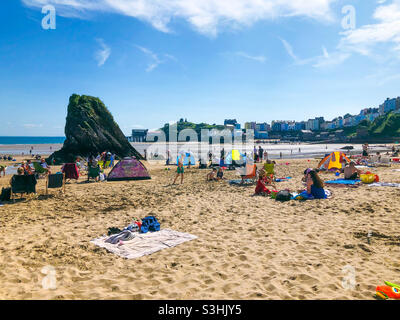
(149,223)
(283,195)
(5,194)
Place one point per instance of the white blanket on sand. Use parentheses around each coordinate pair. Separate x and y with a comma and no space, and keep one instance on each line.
(385,184)
(145,243)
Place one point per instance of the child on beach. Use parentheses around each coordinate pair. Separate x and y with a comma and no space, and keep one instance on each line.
(261,189)
(220,174)
(211,175)
(179,171)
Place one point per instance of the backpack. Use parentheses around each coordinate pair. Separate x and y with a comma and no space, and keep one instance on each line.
(283,195)
(5,194)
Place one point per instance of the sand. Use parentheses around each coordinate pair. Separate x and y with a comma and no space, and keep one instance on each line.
(247,247)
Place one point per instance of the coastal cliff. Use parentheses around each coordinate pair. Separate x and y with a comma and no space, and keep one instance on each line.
(89,130)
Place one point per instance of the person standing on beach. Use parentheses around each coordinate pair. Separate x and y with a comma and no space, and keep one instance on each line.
(260,153)
(179,171)
(365,150)
(2,170)
(168,156)
(265,155)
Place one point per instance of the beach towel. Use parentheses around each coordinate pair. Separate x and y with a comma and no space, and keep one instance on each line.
(343,181)
(305,196)
(125,235)
(71,171)
(145,243)
(245,181)
(384,184)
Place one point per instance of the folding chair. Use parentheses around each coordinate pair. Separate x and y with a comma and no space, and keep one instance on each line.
(93,172)
(71,171)
(55,181)
(22,184)
(249,172)
(269,168)
(39,170)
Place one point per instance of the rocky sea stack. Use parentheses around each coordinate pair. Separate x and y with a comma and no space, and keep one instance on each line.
(89,130)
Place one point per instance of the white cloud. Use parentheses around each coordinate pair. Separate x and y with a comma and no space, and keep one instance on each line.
(289,50)
(387,31)
(103,53)
(260,58)
(325,60)
(155,61)
(205,16)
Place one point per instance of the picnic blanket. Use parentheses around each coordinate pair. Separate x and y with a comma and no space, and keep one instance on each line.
(343,181)
(145,243)
(384,184)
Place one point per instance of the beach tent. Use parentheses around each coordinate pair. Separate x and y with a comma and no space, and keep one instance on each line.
(128,169)
(235,155)
(333,161)
(186,157)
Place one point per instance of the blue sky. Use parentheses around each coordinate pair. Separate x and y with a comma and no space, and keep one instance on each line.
(154,61)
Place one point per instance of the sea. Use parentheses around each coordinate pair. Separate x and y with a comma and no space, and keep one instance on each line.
(47,145)
(31,140)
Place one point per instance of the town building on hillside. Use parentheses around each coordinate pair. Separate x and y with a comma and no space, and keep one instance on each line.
(138,135)
(230,121)
(250,125)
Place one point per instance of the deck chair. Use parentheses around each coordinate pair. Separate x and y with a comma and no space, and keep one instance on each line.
(385,162)
(71,171)
(93,173)
(269,168)
(55,181)
(23,184)
(373,160)
(248,173)
(39,170)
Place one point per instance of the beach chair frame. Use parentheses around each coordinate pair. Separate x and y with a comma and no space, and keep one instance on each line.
(62,187)
(14,193)
(39,170)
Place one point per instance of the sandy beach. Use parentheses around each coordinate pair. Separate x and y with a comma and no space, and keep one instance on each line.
(247,247)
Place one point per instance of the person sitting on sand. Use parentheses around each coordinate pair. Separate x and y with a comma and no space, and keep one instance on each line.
(179,171)
(351,172)
(261,189)
(315,186)
(220,174)
(211,175)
